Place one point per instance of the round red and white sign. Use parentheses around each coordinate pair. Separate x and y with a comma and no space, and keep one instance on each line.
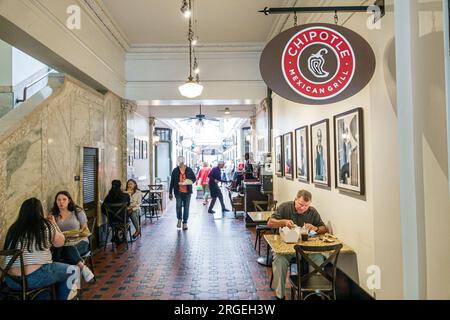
(318,63)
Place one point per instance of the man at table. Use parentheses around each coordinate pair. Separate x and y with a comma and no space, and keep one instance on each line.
(290,214)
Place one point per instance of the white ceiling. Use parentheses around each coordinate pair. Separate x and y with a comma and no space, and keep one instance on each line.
(219,21)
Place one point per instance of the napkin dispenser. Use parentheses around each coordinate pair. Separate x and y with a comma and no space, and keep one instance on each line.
(290,235)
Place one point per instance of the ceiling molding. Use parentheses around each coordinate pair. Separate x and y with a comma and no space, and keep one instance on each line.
(281,20)
(111,28)
(201,48)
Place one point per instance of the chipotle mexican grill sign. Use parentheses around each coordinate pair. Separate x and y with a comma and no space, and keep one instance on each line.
(317,64)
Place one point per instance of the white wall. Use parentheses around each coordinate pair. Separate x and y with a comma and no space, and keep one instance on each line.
(154,73)
(24,66)
(432,146)
(93,50)
(5,64)
(138,128)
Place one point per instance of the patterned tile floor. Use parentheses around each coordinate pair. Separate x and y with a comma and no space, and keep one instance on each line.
(213,259)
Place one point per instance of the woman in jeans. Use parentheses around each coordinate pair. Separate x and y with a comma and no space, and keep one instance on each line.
(68,216)
(135,205)
(34,234)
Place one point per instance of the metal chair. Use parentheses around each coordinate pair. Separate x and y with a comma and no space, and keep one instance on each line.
(261,229)
(25,293)
(88,256)
(117,221)
(318,281)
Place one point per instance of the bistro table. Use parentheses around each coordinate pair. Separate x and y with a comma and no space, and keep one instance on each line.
(347,259)
(261,217)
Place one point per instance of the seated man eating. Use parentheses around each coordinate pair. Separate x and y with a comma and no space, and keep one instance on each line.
(290,214)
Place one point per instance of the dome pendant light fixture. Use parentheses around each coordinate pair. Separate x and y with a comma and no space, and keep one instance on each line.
(192,88)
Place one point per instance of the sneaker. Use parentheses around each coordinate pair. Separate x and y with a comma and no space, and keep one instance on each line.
(73,294)
(179,224)
(211,211)
(184,226)
(88,276)
(225,210)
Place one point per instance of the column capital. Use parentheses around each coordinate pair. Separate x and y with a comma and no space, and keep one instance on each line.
(128,105)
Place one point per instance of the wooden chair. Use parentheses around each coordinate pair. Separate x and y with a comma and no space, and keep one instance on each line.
(117,220)
(25,293)
(88,256)
(261,229)
(318,281)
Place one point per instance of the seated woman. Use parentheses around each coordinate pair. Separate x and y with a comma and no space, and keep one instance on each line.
(115,196)
(34,234)
(68,216)
(134,208)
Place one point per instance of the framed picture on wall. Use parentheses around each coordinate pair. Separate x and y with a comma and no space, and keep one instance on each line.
(288,156)
(278,156)
(302,154)
(136,148)
(144,150)
(320,152)
(349,151)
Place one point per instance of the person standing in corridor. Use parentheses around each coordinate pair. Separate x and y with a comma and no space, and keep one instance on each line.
(181,184)
(214,177)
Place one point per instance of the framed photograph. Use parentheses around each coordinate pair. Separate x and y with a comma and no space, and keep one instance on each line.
(320,152)
(288,156)
(349,151)
(136,149)
(302,154)
(144,150)
(278,156)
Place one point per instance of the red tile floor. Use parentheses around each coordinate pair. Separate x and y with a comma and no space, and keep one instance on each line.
(213,259)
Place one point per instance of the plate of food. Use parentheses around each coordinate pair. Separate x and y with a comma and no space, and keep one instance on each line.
(76,233)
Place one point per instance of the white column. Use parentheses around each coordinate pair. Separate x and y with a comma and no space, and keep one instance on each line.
(151,149)
(411,167)
(446,19)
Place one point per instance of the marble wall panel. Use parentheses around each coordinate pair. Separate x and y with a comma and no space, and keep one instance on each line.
(23,174)
(43,154)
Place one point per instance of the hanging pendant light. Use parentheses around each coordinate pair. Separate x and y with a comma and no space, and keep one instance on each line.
(191,88)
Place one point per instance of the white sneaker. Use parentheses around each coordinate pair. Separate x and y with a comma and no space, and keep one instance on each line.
(73,294)
(179,224)
(88,276)
(185,226)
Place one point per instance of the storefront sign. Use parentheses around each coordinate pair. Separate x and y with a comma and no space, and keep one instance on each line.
(317,64)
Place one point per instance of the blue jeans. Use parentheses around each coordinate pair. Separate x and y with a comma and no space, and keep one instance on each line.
(183,200)
(71,254)
(48,274)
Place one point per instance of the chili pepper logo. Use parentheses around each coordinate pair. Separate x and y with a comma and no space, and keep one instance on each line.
(316,63)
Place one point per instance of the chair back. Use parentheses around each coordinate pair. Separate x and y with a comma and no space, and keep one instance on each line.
(302,254)
(4,270)
(92,230)
(155,186)
(260,205)
(116,212)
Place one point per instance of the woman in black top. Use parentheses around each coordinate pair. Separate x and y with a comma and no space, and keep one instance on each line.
(116,196)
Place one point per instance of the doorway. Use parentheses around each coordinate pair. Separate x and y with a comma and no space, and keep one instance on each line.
(90,186)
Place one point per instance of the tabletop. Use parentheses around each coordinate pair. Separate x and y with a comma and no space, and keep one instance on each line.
(260,216)
(281,247)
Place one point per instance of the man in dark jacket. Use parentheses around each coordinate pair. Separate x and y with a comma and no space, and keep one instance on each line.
(181,184)
(215,176)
